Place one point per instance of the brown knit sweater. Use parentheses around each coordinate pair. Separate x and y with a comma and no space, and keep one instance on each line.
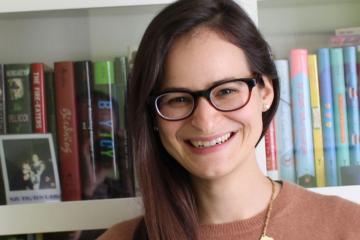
(297,214)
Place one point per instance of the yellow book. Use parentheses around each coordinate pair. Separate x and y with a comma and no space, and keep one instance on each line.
(316,120)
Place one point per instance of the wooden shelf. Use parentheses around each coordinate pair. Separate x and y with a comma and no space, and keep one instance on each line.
(67,216)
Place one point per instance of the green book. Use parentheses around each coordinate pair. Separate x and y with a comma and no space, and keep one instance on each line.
(18,98)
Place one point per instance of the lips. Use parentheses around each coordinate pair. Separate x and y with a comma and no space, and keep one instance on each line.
(211,142)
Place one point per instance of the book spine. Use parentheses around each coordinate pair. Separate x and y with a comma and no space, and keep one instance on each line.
(2,101)
(344,40)
(316,121)
(39,98)
(352,102)
(106,126)
(340,115)
(18,98)
(303,141)
(347,31)
(283,125)
(84,88)
(270,149)
(126,168)
(327,116)
(66,117)
(50,95)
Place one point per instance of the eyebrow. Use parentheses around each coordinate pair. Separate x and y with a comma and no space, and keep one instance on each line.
(211,85)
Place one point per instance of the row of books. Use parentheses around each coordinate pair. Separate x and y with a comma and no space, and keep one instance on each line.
(314,139)
(70,119)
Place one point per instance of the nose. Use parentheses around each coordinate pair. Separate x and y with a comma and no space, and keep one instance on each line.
(205,117)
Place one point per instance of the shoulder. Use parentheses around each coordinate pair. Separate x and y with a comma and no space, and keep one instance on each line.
(121,231)
(314,205)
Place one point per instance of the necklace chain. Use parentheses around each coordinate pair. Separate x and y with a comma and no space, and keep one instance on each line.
(268,213)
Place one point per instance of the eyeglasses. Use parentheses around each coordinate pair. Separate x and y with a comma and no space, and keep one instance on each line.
(226,96)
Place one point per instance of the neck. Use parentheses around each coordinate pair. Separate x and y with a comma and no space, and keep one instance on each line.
(233,197)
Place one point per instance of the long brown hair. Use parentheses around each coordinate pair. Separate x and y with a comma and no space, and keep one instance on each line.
(170,208)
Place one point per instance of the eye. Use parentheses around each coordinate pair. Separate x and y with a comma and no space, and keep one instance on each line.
(226,91)
(179,100)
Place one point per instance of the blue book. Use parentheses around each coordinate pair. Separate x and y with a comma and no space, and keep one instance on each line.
(283,122)
(327,116)
(352,103)
(303,136)
(340,114)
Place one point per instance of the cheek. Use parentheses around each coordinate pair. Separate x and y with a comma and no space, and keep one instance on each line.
(167,132)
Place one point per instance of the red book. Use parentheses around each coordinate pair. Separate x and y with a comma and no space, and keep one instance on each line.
(66,117)
(271,153)
(39,97)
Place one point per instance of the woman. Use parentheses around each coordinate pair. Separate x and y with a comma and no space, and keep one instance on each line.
(203,91)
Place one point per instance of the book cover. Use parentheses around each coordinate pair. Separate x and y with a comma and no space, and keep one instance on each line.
(67,125)
(84,91)
(301,110)
(106,128)
(283,125)
(2,101)
(352,103)
(271,152)
(126,168)
(29,168)
(327,116)
(316,121)
(340,109)
(18,98)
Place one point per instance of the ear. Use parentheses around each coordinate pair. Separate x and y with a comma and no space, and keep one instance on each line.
(266,93)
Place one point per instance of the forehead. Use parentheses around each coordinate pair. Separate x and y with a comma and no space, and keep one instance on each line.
(201,57)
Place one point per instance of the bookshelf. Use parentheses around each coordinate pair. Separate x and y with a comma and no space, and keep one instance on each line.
(98,29)
(43,31)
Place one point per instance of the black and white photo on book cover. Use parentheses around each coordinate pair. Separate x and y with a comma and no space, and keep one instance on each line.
(29,168)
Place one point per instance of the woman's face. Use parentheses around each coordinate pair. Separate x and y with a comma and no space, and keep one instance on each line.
(195,62)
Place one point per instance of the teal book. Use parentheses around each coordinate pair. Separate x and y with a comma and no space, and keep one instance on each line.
(352,102)
(283,122)
(18,98)
(340,109)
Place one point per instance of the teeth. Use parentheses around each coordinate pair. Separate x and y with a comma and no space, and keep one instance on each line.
(203,144)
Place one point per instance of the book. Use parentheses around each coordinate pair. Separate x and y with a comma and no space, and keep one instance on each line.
(350,175)
(301,110)
(18,98)
(271,152)
(283,125)
(84,92)
(352,103)
(2,101)
(106,125)
(39,101)
(327,116)
(347,31)
(316,121)
(67,125)
(340,109)
(344,40)
(29,168)
(2,127)
(126,168)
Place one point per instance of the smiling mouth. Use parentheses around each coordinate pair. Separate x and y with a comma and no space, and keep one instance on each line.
(216,141)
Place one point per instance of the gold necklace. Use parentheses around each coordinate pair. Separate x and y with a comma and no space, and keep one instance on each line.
(263,235)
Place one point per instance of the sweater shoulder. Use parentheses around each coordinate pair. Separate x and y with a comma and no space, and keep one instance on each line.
(121,231)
